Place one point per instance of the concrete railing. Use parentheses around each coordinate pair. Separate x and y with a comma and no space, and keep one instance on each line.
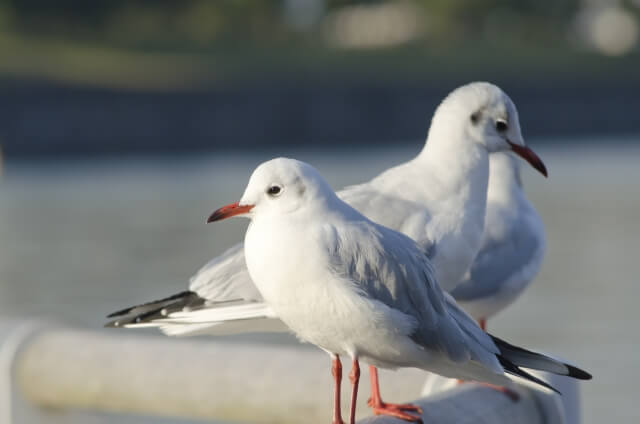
(50,374)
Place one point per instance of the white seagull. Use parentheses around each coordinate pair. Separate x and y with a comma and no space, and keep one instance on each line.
(355,288)
(438,199)
(512,249)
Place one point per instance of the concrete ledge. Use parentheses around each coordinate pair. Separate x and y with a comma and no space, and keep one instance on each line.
(51,374)
(472,403)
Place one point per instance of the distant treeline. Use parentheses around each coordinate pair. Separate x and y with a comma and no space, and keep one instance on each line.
(197,23)
(48,120)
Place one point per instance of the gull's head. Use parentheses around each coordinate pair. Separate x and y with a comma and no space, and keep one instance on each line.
(489,118)
(278,186)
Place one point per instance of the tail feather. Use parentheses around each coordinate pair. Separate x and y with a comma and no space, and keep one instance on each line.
(516,357)
(222,328)
(219,312)
(511,368)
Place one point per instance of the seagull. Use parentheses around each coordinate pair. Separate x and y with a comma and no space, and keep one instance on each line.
(356,288)
(512,249)
(438,199)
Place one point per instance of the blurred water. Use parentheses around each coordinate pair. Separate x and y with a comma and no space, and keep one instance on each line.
(81,239)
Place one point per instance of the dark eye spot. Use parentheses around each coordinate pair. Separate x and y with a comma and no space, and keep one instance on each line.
(501,126)
(475,117)
(274,190)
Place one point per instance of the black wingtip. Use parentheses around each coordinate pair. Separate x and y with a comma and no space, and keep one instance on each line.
(112,324)
(572,371)
(153,310)
(513,369)
(576,372)
(124,311)
(127,311)
(531,377)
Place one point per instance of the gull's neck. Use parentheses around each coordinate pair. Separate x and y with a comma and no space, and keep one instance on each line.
(505,187)
(458,178)
(459,168)
(504,177)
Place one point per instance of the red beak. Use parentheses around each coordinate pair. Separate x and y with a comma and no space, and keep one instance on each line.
(529,155)
(229,211)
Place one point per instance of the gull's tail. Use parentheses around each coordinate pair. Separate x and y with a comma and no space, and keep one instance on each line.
(514,358)
(187,314)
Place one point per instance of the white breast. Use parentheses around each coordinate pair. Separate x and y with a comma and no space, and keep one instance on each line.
(319,306)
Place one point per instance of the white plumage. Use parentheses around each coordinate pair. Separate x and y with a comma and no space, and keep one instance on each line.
(512,248)
(438,199)
(356,288)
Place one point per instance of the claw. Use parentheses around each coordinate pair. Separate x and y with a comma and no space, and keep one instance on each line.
(394,406)
(405,407)
(398,413)
(511,394)
(398,410)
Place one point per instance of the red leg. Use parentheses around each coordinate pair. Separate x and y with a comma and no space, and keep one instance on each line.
(336,371)
(354,377)
(482,322)
(514,396)
(382,408)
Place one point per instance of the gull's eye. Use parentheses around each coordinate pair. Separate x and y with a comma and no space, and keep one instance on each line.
(501,126)
(274,190)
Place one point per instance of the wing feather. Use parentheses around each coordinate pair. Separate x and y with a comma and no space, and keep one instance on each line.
(225,277)
(391,268)
(512,252)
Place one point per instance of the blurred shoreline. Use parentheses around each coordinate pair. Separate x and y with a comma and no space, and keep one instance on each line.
(49,120)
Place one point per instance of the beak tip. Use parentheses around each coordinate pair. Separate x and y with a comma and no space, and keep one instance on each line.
(213,217)
(228,211)
(530,156)
(542,168)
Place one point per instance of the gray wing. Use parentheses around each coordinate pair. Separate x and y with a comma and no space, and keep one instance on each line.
(221,287)
(511,253)
(392,269)
(226,277)
(385,208)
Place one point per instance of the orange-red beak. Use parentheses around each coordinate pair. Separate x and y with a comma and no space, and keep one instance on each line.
(530,156)
(229,211)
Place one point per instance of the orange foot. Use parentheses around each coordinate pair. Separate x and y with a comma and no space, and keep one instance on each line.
(396,410)
(514,396)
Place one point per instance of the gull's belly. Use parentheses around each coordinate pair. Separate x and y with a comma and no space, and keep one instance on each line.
(305,296)
(339,320)
(322,314)
(321,307)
